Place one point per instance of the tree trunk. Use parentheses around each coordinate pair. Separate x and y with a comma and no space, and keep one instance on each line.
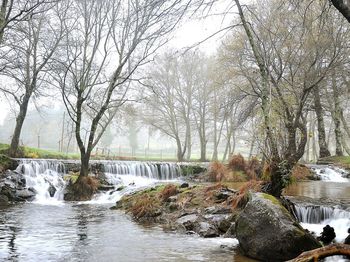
(324,152)
(203,144)
(84,168)
(189,141)
(13,151)
(180,153)
(337,118)
(322,252)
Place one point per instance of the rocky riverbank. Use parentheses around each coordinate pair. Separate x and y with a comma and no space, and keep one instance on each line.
(262,225)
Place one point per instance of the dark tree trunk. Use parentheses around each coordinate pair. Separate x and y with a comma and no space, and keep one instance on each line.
(180,153)
(13,151)
(84,168)
(324,152)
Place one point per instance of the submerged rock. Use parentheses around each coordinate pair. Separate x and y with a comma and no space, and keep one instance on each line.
(266,231)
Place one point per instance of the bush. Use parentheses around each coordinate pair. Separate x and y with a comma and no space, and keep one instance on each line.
(242,197)
(168,191)
(145,206)
(217,171)
(235,176)
(237,163)
(300,172)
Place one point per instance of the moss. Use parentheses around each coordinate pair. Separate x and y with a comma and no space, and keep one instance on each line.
(275,201)
(72,177)
(7,163)
(188,170)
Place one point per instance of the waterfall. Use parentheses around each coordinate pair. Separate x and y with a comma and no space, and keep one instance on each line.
(44,176)
(317,214)
(314,218)
(158,171)
(330,173)
(128,176)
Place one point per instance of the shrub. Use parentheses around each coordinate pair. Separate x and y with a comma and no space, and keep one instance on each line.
(217,171)
(235,176)
(300,172)
(168,191)
(242,197)
(145,206)
(266,172)
(237,163)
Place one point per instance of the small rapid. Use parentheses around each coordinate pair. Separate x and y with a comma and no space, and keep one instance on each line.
(314,218)
(330,173)
(127,177)
(46,178)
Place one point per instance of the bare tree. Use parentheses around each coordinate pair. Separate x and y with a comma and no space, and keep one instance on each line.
(293,58)
(109,41)
(13,12)
(25,56)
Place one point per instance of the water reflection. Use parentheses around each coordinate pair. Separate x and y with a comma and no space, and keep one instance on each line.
(319,189)
(32,232)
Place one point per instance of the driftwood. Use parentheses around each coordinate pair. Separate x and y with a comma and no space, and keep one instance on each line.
(327,251)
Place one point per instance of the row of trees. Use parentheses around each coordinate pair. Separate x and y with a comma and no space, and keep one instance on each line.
(271,72)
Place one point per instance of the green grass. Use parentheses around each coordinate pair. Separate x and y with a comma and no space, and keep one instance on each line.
(31,152)
(340,160)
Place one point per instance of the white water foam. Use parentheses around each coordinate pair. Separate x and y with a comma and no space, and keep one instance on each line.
(40,175)
(127,177)
(314,218)
(331,174)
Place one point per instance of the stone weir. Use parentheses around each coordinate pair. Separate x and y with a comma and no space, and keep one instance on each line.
(152,169)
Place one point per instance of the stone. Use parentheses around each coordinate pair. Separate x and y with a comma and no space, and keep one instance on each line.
(231,231)
(188,221)
(327,235)
(104,187)
(217,210)
(4,201)
(24,194)
(347,239)
(184,185)
(52,190)
(266,231)
(207,230)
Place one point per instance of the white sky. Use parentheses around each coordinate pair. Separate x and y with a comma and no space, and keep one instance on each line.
(190,33)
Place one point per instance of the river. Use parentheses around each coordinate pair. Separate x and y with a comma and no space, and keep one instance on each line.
(49,229)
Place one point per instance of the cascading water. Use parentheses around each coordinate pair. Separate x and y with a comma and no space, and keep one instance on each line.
(46,177)
(330,173)
(127,176)
(314,218)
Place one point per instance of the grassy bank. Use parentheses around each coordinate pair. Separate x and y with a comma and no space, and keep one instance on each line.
(30,152)
(343,161)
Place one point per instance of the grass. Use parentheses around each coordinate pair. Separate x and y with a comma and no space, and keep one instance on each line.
(341,160)
(31,152)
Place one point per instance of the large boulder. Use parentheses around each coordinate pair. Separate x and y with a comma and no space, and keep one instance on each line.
(266,231)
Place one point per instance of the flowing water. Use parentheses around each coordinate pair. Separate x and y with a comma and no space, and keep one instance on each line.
(49,229)
(332,190)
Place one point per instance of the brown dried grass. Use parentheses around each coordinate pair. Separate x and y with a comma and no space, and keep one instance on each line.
(242,197)
(217,171)
(144,206)
(168,191)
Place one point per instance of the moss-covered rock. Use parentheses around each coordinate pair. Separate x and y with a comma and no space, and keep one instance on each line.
(7,163)
(266,231)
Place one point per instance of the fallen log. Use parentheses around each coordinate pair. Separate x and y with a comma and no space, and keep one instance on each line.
(322,252)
